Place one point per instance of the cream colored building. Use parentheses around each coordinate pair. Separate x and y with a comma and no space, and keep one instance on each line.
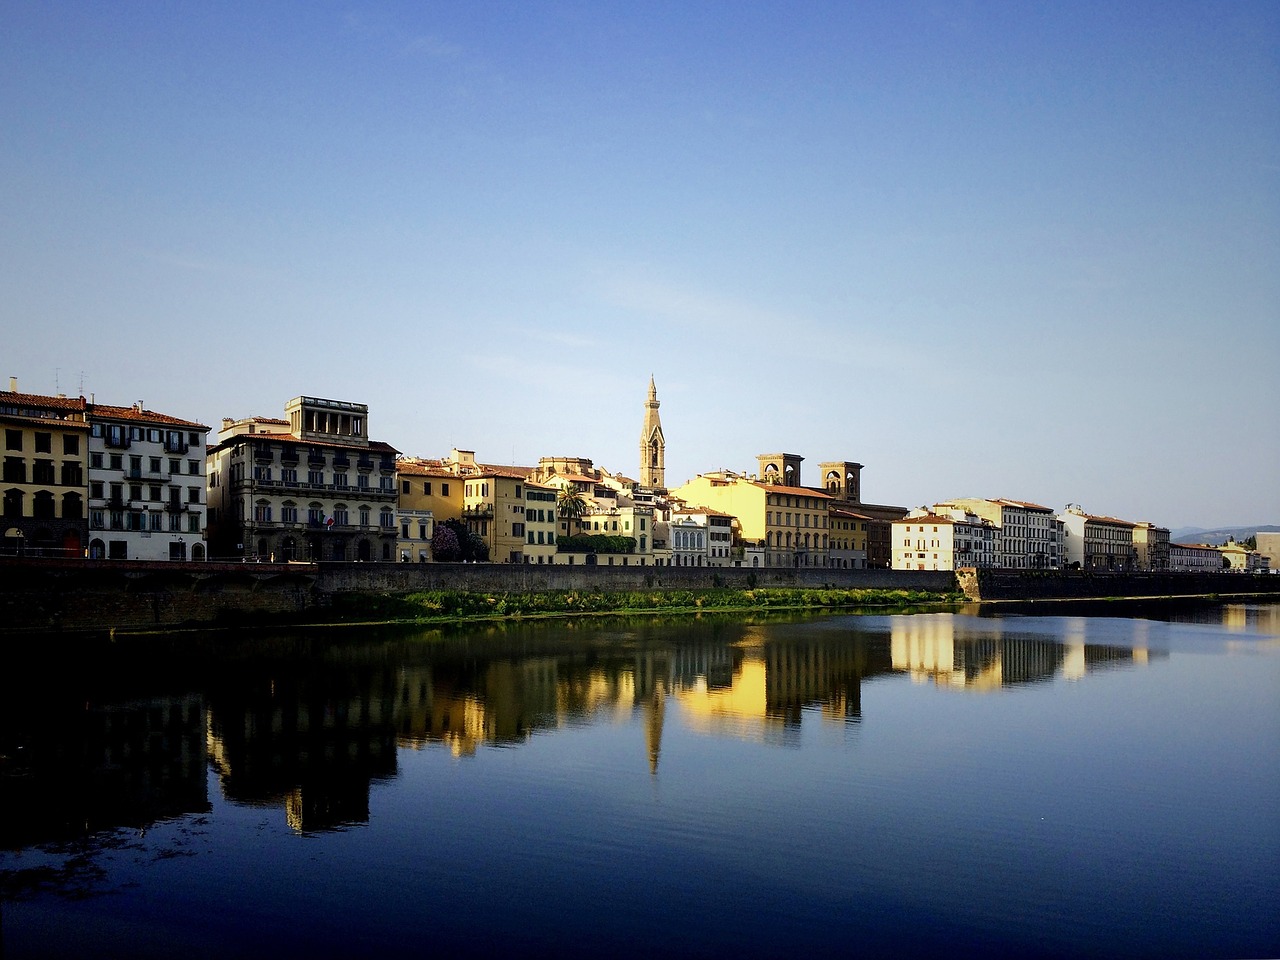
(1151,546)
(948,540)
(1238,558)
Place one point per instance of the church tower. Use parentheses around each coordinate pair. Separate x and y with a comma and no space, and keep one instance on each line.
(653,446)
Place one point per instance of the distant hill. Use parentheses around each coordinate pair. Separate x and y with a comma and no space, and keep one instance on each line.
(1218,534)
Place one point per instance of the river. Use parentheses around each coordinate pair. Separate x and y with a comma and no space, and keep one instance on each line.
(1063,781)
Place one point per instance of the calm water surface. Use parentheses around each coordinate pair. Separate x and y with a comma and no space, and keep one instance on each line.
(930,784)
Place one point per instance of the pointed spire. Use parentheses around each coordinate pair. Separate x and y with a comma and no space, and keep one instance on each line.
(653,390)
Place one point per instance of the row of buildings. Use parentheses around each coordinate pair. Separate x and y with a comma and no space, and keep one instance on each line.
(125,482)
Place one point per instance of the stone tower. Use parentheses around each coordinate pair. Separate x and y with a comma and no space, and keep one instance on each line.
(653,446)
(783,468)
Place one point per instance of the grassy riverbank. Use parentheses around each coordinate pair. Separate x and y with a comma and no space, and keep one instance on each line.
(434,606)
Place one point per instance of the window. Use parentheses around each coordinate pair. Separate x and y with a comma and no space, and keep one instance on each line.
(193,467)
(339,480)
(404,531)
(193,494)
(262,511)
(444,489)
(193,523)
(289,475)
(154,465)
(95,461)
(340,515)
(422,531)
(97,520)
(426,487)
(362,481)
(405,486)
(175,465)
(157,521)
(13,439)
(135,491)
(96,490)
(116,462)
(44,443)
(153,492)
(364,516)
(15,470)
(316,478)
(289,513)
(387,519)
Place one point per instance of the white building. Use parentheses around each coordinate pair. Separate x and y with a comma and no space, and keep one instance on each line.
(146,485)
(1029,536)
(924,540)
(1097,543)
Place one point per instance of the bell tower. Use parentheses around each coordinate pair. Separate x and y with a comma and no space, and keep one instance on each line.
(653,445)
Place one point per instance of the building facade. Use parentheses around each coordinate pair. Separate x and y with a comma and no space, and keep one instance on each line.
(310,487)
(147,494)
(1151,546)
(1028,535)
(1097,543)
(925,540)
(46,445)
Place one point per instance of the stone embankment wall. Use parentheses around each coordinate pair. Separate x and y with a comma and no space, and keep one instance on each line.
(52,595)
(1080,585)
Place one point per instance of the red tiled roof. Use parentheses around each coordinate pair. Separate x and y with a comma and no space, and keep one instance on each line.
(39,400)
(103,411)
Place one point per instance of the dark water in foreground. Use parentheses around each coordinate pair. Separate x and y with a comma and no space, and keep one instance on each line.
(929,784)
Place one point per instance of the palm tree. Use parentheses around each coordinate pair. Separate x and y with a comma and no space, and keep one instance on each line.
(571,505)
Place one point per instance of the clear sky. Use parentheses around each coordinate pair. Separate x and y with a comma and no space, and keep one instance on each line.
(985,249)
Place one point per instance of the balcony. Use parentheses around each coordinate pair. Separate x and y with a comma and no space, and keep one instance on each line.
(364,463)
(174,507)
(478,510)
(264,454)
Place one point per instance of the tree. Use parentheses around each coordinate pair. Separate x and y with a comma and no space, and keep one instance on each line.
(471,548)
(571,505)
(444,544)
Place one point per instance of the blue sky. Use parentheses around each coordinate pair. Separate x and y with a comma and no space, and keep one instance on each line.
(985,249)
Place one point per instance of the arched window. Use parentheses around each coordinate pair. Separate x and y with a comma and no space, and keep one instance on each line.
(42,505)
(72,506)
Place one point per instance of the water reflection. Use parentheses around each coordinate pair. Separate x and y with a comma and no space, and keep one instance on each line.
(984,656)
(307,726)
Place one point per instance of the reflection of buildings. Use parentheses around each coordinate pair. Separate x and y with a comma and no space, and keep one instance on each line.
(97,768)
(312,744)
(762,692)
(954,653)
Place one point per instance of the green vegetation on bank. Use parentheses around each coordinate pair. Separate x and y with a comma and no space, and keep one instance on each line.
(451,605)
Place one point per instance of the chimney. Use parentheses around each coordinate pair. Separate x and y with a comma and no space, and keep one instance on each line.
(13,384)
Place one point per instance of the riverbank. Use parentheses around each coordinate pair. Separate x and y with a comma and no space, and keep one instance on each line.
(451,606)
(39,597)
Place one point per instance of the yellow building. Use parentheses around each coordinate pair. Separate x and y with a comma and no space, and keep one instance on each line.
(46,444)
(493,507)
(790,523)
(848,543)
(540,523)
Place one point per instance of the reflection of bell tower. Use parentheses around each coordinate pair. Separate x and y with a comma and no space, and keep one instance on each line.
(653,445)
(783,468)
